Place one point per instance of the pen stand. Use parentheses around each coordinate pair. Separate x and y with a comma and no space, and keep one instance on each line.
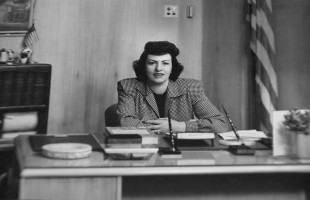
(241,150)
(173,151)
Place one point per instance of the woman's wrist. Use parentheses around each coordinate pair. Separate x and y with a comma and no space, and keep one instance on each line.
(179,127)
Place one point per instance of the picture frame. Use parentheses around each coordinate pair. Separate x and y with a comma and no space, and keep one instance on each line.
(16,16)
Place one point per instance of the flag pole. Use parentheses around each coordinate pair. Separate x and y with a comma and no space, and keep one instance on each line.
(30,39)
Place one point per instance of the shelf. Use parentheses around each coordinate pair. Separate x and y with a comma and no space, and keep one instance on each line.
(6,144)
(4,108)
(26,88)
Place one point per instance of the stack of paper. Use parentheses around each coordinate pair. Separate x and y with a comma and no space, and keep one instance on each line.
(243,134)
(130,142)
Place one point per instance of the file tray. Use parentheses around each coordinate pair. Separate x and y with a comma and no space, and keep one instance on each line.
(241,150)
(192,145)
(170,153)
(37,141)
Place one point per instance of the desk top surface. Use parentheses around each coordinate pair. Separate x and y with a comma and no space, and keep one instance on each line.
(33,164)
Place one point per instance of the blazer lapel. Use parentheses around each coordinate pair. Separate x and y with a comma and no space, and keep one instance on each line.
(149,97)
(174,91)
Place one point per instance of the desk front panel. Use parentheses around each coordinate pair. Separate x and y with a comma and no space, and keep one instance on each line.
(66,188)
(192,162)
(198,175)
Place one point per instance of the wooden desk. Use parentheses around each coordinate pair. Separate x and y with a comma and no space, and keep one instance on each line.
(212,175)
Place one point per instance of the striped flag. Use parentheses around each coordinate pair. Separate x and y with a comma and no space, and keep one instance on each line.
(31,37)
(263,46)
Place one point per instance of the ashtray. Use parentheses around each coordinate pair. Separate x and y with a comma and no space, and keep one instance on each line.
(66,150)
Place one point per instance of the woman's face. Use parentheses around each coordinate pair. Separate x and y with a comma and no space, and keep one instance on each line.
(158,68)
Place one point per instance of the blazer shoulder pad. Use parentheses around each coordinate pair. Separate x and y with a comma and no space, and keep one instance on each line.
(128,85)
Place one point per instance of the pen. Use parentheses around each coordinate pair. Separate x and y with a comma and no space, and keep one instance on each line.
(169,121)
(170,131)
(231,124)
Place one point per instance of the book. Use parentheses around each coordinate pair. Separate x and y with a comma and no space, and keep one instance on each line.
(19,88)
(123,141)
(39,88)
(28,94)
(127,130)
(7,84)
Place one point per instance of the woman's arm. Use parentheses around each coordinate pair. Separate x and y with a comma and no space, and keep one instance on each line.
(209,118)
(126,108)
(161,125)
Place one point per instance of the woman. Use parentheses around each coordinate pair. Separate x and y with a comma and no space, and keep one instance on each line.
(157,90)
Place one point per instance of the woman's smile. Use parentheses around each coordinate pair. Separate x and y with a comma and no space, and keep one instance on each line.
(158,69)
(158,75)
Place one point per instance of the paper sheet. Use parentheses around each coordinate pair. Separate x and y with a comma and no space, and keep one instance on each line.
(127,130)
(244,134)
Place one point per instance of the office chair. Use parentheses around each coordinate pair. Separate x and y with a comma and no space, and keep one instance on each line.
(111,118)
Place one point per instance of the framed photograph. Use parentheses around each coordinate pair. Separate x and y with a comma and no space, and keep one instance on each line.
(16,16)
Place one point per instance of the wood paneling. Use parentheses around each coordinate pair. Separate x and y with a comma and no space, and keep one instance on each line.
(91,45)
(226,52)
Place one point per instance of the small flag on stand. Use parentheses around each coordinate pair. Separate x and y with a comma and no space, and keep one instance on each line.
(31,37)
(263,46)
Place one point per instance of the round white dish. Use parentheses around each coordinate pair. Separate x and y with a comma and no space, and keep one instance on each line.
(237,142)
(66,150)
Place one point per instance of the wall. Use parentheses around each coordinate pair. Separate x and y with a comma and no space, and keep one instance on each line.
(226,65)
(91,45)
(292,30)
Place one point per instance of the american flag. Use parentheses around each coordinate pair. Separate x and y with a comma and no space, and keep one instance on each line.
(31,37)
(263,47)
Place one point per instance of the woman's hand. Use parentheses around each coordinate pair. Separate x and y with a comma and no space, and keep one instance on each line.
(161,125)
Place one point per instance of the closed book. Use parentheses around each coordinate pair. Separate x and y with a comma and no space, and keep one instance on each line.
(39,88)
(124,139)
(28,94)
(19,87)
(123,146)
(6,89)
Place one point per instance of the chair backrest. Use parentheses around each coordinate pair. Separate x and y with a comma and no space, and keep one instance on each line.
(111,118)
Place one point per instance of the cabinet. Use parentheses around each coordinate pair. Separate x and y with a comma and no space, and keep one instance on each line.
(26,88)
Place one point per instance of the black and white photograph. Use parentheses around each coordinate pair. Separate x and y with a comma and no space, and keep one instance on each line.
(154,100)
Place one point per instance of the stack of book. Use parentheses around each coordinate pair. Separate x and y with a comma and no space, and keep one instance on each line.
(126,143)
(23,88)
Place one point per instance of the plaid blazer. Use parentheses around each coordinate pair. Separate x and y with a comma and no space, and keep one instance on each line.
(185,99)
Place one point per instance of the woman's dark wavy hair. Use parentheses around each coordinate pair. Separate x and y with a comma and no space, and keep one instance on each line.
(158,48)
